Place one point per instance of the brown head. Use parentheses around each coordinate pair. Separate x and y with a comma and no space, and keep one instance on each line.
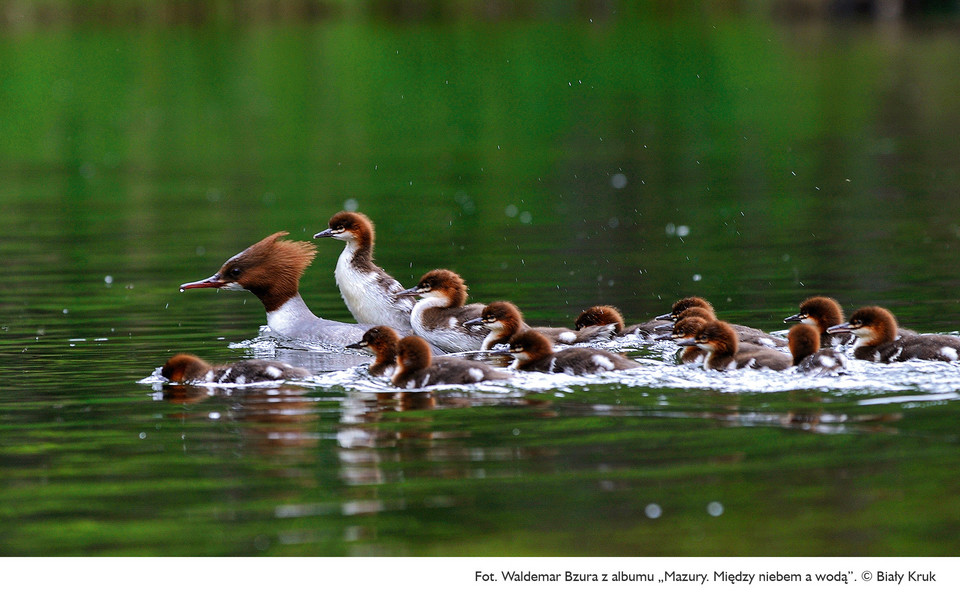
(380,340)
(529,347)
(270,269)
(440,283)
(872,325)
(683,304)
(500,317)
(704,313)
(350,227)
(716,337)
(413,354)
(804,340)
(687,327)
(182,367)
(600,315)
(819,311)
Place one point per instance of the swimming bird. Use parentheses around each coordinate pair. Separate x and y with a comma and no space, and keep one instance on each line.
(271,270)
(822,312)
(534,353)
(687,328)
(368,291)
(504,321)
(877,339)
(439,315)
(184,368)
(808,356)
(416,367)
(602,315)
(724,351)
(694,306)
(382,342)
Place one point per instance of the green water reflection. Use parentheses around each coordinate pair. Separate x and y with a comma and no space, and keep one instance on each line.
(557,164)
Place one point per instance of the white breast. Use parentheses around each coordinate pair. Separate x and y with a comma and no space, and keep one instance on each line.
(370,296)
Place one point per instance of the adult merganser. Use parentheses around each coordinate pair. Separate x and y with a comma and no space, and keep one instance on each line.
(534,353)
(808,356)
(505,321)
(877,339)
(369,292)
(724,351)
(601,315)
(687,328)
(694,306)
(271,270)
(822,312)
(188,368)
(439,316)
(417,369)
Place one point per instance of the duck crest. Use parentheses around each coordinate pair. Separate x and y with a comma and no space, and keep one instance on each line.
(271,268)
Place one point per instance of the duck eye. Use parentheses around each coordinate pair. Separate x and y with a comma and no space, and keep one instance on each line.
(234,272)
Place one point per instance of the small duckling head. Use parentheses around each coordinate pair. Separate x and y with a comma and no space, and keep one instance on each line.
(600,315)
(182,367)
(413,353)
(872,325)
(804,340)
(530,346)
(350,226)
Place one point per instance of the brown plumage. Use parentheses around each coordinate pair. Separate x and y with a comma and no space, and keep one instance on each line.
(382,342)
(879,339)
(440,315)
(189,368)
(504,320)
(601,315)
(807,355)
(416,367)
(724,351)
(534,353)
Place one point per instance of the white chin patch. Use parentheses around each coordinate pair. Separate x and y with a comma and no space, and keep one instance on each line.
(233,286)
(809,321)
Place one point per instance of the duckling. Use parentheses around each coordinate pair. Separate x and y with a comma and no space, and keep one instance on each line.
(807,354)
(417,369)
(505,321)
(694,306)
(439,315)
(601,315)
(877,339)
(185,368)
(534,353)
(368,291)
(724,352)
(822,312)
(687,328)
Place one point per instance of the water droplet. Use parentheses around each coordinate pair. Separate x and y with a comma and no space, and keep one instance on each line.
(653,511)
(683,231)
(697,277)
(143,435)
(351,205)
(715,509)
(618,181)
(108,279)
